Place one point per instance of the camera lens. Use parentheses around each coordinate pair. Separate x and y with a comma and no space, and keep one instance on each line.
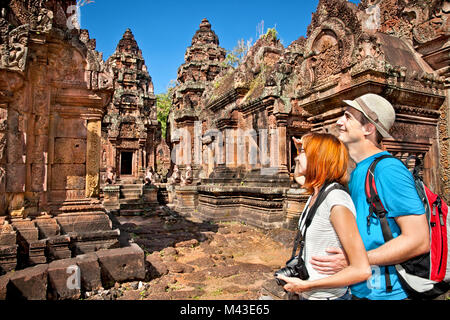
(287,271)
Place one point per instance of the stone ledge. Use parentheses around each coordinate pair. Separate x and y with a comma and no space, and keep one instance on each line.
(96,269)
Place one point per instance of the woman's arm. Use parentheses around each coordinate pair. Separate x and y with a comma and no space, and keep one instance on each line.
(358,269)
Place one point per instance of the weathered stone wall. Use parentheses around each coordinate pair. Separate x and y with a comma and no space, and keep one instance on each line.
(53,91)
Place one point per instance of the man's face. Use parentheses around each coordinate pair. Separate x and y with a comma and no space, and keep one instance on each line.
(350,128)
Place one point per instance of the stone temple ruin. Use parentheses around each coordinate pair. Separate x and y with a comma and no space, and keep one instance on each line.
(80,142)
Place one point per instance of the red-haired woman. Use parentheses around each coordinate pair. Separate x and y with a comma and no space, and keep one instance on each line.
(321,162)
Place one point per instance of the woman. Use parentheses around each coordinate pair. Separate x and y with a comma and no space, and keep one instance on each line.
(323,158)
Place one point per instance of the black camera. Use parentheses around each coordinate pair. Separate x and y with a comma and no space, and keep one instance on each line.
(295,268)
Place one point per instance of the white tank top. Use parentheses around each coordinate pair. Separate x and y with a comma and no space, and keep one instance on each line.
(320,236)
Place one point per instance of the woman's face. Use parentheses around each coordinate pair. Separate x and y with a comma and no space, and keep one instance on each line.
(300,162)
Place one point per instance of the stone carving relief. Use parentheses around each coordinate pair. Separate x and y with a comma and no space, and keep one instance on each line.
(14,49)
(368,54)
(436,25)
(328,51)
(66,65)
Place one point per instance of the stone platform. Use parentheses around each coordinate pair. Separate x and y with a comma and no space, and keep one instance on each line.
(130,199)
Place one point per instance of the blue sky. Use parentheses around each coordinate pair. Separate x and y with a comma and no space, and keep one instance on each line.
(164,29)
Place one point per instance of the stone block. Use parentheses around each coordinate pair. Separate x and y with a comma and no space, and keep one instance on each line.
(15,177)
(28,284)
(90,271)
(47,227)
(68,176)
(4,280)
(71,128)
(36,252)
(121,265)
(93,241)
(64,280)
(111,194)
(150,195)
(26,229)
(58,247)
(83,222)
(7,235)
(68,150)
(8,258)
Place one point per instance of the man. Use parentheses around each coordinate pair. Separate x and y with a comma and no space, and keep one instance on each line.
(366,121)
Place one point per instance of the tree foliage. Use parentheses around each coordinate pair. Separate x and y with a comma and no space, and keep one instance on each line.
(163,107)
(237,55)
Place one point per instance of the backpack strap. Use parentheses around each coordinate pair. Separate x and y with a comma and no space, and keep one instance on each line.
(323,193)
(377,208)
(375,205)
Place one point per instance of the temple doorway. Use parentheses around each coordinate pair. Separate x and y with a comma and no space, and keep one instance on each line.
(126,163)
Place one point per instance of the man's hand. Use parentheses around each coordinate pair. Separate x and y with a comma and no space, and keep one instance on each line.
(330,264)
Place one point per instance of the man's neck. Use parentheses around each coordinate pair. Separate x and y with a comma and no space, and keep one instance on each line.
(362,150)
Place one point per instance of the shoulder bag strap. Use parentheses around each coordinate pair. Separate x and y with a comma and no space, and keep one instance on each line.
(375,206)
(323,193)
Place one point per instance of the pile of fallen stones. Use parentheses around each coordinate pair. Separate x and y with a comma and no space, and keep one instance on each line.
(167,257)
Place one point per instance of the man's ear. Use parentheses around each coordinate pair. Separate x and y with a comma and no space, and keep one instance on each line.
(369,129)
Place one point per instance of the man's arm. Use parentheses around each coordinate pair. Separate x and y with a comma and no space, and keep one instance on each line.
(413,241)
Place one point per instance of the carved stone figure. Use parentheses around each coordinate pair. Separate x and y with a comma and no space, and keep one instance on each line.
(149,176)
(110,176)
(187,178)
(175,177)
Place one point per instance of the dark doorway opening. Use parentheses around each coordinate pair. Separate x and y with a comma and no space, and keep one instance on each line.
(293,156)
(126,163)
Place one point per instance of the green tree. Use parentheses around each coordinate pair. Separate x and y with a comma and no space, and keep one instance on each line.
(237,55)
(163,107)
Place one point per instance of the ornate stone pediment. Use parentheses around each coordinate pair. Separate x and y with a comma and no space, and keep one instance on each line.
(328,52)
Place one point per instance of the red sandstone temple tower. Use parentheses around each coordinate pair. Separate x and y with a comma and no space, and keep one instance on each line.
(204,60)
(130,130)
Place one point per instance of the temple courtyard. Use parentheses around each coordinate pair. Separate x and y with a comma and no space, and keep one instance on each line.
(187,259)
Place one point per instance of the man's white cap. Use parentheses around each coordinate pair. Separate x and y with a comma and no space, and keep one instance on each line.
(377,110)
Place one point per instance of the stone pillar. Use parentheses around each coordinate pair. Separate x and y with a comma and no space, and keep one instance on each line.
(282,145)
(51,153)
(295,203)
(93,151)
(111,195)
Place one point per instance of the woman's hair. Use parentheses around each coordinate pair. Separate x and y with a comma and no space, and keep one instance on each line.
(327,160)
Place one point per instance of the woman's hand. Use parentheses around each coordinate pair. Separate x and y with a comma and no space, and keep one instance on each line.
(295,285)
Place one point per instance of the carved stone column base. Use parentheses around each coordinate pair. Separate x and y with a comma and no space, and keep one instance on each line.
(186,200)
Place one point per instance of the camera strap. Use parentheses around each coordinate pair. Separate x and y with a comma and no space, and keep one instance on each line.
(308,215)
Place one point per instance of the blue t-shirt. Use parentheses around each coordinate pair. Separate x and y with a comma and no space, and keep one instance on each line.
(396,188)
